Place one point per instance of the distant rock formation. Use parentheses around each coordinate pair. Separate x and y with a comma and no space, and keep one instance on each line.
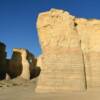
(23,64)
(70,57)
(2,61)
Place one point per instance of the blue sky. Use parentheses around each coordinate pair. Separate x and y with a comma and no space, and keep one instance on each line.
(18,19)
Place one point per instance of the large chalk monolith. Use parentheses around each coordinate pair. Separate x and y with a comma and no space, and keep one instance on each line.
(62,64)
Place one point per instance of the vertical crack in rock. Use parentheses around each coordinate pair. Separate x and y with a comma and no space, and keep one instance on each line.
(89,31)
(83,56)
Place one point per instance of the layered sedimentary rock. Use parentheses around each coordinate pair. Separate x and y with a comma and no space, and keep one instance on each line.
(89,31)
(2,60)
(62,61)
(70,57)
(23,64)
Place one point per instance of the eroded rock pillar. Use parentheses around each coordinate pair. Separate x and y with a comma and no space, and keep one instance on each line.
(23,64)
(62,66)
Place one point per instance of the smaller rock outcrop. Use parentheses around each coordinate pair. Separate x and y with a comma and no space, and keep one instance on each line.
(23,64)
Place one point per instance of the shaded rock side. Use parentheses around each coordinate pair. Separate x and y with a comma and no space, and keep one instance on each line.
(62,64)
(2,61)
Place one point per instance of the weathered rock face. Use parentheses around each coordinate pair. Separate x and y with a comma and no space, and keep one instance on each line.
(23,64)
(2,61)
(89,31)
(62,61)
(70,57)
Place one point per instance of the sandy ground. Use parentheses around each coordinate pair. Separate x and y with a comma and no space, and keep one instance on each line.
(18,89)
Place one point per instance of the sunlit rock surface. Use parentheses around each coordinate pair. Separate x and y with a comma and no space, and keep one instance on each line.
(89,31)
(62,61)
(70,58)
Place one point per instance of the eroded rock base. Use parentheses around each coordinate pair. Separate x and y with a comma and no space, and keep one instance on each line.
(61,71)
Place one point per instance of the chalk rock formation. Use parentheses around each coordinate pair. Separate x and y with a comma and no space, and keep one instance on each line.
(2,60)
(23,64)
(70,57)
(62,64)
(89,31)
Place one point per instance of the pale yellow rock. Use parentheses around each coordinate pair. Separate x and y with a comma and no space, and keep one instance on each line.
(89,31)
(62,65)
(7,77)
(70,57)
(53,24)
